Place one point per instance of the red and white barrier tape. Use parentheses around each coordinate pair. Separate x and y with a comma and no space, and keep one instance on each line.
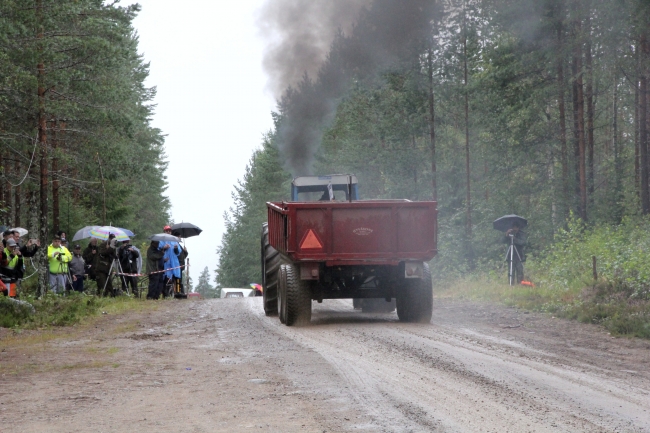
(150,273)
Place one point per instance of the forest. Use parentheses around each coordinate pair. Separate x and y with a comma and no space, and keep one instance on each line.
(76,145)
(490,107)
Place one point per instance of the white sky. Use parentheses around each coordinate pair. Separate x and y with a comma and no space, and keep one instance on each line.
(206,62)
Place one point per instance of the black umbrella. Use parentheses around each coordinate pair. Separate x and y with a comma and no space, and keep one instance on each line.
(505,222)
(185,230)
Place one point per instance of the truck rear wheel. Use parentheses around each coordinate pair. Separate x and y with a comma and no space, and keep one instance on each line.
(271,261)
(282,294)
(296,296)
(415,300)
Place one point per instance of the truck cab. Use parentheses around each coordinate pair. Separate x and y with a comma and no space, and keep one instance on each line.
(344,187)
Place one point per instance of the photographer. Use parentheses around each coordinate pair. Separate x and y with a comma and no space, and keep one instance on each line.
(105,256)
(90,256)
(28,250)
(58,258)
(128,256)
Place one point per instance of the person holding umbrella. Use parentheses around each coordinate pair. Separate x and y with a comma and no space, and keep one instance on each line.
(172,250)
(155,260)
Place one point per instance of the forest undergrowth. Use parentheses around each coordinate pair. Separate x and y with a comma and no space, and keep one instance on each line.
(563,277)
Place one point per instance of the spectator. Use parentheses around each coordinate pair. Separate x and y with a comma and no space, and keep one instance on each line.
(90,257)
(155,263)
(64,241)
(128,257)
(6,235)
(11,263)
(28,250)
(105,256)
(182,257)
(77,269)
(58,257)
(172,273)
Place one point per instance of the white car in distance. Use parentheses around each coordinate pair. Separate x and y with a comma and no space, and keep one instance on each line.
(237,293)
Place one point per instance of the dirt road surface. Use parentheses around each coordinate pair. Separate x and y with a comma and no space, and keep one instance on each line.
(222,366)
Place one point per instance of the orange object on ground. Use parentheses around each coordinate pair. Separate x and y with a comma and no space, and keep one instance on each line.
(527,283)
(12,290)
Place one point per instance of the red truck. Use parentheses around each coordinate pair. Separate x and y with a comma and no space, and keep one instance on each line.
(339,247)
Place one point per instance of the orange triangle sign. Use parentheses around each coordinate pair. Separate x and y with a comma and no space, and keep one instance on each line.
(310,241)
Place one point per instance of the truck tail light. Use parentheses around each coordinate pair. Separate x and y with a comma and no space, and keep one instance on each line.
(413,270)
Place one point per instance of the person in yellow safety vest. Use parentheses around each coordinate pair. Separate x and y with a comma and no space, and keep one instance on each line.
(58,257)
(11,264)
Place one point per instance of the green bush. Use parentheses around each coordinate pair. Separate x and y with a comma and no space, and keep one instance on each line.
(13,313)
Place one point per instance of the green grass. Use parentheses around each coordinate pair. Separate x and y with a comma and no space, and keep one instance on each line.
(56,310)
(603,303)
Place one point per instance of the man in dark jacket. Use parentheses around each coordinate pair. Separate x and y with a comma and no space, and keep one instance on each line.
(128,256)
(154,265)
(28,250)
(105,256)
(90,256)
(77,269)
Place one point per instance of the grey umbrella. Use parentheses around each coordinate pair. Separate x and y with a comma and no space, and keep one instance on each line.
(83,233)
(505,222)
(164,237)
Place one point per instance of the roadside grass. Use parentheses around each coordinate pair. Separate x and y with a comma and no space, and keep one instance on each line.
(55,310)
(602,303)
(31,367)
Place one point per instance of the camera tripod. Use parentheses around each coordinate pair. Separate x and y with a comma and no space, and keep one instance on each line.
(113,276)
(67,281)
(510,258)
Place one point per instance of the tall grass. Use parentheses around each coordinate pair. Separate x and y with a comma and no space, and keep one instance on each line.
(619,299)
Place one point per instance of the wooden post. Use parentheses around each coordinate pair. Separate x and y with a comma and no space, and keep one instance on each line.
(593,265)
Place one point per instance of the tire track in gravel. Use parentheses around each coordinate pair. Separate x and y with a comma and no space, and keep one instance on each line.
(443,378)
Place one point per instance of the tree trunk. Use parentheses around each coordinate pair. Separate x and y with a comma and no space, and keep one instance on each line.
(643,128)
(17,198)
(56,223)
(432,127)
(590,112)
(579,120)
(467,156)
(618,193)
(637,150)
(562,114)
(3,182)
(42,140)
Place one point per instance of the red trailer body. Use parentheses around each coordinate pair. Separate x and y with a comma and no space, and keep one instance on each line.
(372,232)
(371,251)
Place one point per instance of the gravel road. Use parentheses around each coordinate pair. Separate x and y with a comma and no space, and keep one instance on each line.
(222,366)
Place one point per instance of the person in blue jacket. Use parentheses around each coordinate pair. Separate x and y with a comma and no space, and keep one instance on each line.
(172,273)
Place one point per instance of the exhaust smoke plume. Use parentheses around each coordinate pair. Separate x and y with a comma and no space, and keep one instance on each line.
(316,47)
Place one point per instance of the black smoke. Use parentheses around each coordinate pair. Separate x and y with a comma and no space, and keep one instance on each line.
(318,47)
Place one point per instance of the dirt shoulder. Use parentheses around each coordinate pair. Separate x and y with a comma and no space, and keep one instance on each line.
(181,368)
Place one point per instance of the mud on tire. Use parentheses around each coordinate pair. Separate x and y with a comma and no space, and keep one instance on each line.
(298,296)
(415,300)
(271,261)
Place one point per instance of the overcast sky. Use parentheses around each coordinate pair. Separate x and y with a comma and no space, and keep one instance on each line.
(206,62)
